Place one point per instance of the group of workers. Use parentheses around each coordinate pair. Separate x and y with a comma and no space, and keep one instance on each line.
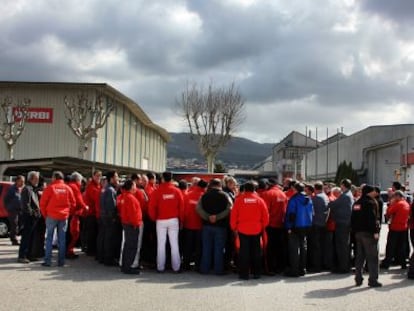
(210,226)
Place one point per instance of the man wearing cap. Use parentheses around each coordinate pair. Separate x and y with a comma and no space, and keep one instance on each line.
(366,227)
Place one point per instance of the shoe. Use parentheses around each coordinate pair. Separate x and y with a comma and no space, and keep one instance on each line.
(291,274)
(72,256)
(384,266)
(131,271)
(23,260)
(15,242)
(45,264)
(61,265)
(256,276)
(375,284)
(160,271)
(358,282)
(33,259)
(244,277)
(178,271)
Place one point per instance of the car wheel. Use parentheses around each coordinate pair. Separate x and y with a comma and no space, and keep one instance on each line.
(4,228)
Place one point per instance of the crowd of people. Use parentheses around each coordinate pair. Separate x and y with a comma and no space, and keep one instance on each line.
(214,226)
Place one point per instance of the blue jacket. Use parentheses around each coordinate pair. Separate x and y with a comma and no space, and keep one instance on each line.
(12,200)
(299,212)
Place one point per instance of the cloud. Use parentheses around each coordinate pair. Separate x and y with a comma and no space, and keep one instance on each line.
(325,63)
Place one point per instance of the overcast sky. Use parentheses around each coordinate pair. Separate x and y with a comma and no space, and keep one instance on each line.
(298,63)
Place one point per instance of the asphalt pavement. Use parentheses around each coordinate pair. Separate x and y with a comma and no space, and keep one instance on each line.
(85,285)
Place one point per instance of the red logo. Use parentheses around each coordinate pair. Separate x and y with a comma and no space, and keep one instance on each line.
(35,115)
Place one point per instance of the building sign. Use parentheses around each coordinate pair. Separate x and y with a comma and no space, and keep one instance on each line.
(35,115)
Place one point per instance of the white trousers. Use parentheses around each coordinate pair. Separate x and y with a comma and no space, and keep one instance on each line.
(168,227)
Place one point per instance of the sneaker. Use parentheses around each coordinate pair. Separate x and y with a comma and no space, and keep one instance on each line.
(375,284)
(23,260)
(45,264)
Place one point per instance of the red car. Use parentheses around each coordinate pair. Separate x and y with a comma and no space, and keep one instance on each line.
(4,223)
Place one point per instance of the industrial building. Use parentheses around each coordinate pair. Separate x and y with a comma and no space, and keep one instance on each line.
(379,154)
(128,141)
(288,153)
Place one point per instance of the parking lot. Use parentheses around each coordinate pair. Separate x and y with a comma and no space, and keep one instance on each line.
(85,285)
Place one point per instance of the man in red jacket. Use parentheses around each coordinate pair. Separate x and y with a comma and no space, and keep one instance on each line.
(131,218)
(276,202)
(192,226)
(166,208)
(92,199)
(75,213)
(249,218)
(55,205)
(398,211)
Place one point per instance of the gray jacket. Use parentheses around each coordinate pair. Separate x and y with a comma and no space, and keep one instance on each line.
(320,209)
(341,208)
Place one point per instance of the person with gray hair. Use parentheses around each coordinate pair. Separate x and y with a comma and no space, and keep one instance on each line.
(29,217)
(79,210)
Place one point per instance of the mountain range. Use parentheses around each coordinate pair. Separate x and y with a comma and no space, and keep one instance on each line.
(239,152)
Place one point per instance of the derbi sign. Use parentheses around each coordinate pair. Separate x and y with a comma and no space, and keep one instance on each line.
(36,115)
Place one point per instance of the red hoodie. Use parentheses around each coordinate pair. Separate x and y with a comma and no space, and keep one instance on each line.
(249,214)
(192,220)
(80,207)
(399,213)
(276,202)
(129,209)
(92,198)
(166,202)
(57,201)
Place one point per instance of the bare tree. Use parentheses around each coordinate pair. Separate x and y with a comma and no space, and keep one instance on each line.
(212,116)
(85,117)
(14,121)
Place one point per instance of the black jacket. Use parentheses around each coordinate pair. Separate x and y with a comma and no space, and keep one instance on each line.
(364,217)
(215,202)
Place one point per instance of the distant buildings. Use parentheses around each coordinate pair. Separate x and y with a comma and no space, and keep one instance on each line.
(287,155)
(379,154)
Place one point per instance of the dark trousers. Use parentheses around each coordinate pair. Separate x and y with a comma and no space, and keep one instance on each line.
(149,242)
(410,273)
(13,225)
(276,249)
(112,238)
(89,234)
(317,246)
(396,248)
(191,248)
(132,239)
(412,237)
(366,250)
(100,242)
(297,246)
(342,252)
(27,233)
(250,255)
(328,254)
(213,244)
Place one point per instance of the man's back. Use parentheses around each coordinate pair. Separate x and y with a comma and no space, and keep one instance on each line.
(214,202)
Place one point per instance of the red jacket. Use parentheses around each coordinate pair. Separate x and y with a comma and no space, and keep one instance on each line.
(192,220)
(399,213)
(150,188)
(129,209)
(276,202)
(142,199)
(80,207)
(249,214)
(92,198)
(57,201)
(289,193)
(166,202)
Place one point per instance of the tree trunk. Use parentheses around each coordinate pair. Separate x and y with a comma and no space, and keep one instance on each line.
(210,162)
(11,152)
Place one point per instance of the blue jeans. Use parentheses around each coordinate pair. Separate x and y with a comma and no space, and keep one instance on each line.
(62,226)
(213,243)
